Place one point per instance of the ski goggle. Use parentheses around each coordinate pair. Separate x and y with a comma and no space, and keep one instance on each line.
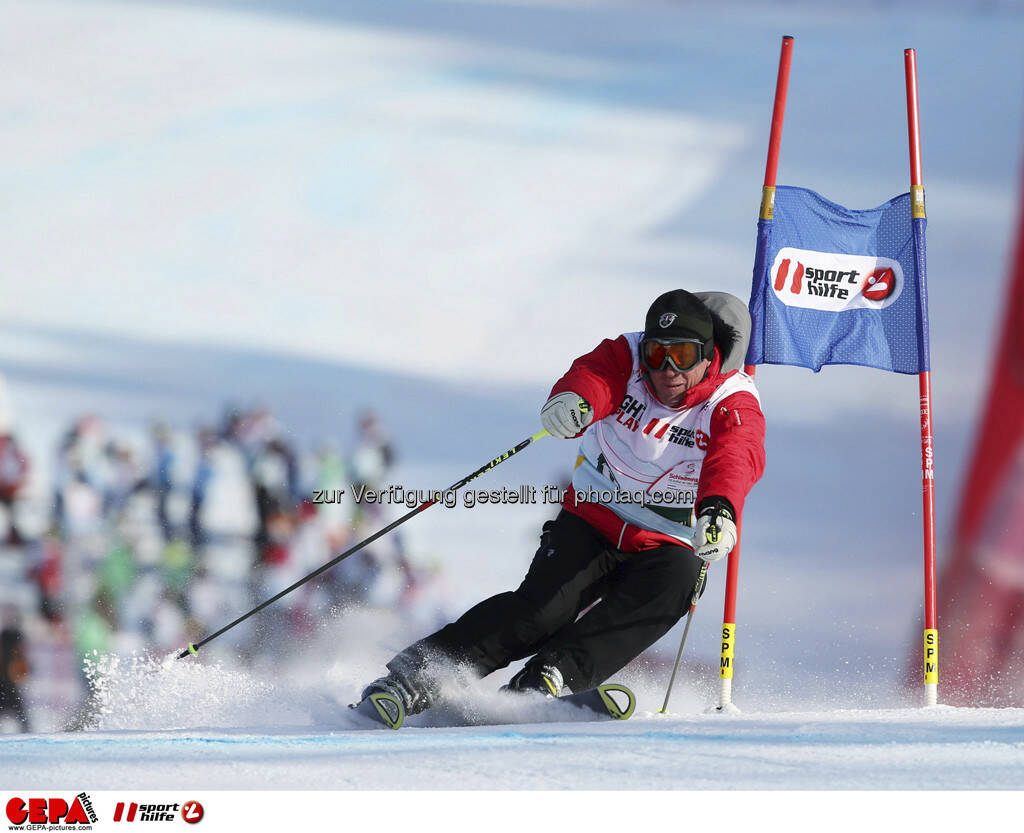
(683,354)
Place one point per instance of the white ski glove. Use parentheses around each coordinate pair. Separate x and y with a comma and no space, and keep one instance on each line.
(714,534)
(565,415)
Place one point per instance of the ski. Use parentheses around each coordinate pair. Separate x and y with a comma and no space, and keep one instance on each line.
(610,701)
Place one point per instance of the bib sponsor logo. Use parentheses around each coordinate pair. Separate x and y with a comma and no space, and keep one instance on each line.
(833,282)
(680,482)
(630,412)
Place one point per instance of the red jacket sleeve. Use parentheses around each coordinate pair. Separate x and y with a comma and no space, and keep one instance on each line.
(600,376)
(735,455)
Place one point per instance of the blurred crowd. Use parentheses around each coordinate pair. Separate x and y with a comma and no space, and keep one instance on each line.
(149,542)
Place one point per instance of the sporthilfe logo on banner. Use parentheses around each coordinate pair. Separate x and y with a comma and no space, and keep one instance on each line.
(832,282)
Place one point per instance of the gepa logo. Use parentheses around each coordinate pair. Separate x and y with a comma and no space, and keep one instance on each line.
(835,282)
(52,811)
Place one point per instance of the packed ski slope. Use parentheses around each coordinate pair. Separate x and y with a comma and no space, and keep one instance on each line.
(176,726)
(849,750)
(430,209)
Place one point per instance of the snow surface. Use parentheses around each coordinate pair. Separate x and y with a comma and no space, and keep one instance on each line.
(177,725)
(890,749)
(215,201)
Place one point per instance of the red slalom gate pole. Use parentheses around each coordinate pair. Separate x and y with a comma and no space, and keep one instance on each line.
(918,219)
(771,166)
(732,577)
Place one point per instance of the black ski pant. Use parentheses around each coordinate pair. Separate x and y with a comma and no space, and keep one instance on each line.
(642,595)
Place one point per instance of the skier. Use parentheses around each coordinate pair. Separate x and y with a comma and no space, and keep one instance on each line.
(13,477)
(672,442)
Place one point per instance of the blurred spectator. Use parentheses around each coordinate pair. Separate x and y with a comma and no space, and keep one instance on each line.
(95,626)
(79,477)
(274,472)
(13,473)
(14,670)
(337,512)
(162,479)
(201,484)
(231,425)
(372,458)
(13,466)
(252,430)
(48,574)
(124,477)
(113,574)
(117,571)
(177,565)
(373,455)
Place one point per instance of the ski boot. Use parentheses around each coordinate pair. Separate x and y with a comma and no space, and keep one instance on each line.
(404,691)
(546,679)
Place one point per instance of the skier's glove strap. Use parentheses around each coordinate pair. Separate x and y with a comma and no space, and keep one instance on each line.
(714,534)
(565,415)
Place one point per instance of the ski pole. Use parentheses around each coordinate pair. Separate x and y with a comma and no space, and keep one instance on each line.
(193,648)
(686,631)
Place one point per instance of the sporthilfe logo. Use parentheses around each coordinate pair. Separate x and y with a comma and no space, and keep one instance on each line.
(833,282)
(191,812)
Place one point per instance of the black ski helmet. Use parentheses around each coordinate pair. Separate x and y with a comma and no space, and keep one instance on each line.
(680,314)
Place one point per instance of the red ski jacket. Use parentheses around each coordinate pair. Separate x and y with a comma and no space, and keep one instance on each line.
(734,459)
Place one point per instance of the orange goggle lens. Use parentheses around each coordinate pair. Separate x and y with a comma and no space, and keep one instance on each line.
(682,355)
